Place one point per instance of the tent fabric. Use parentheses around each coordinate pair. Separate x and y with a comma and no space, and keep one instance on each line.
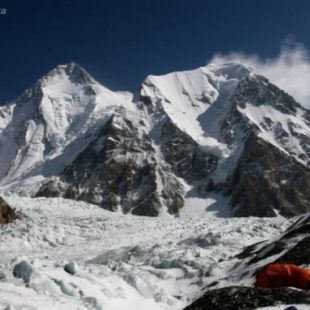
(283,275)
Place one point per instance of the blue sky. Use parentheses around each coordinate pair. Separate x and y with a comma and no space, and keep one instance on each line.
(121,42)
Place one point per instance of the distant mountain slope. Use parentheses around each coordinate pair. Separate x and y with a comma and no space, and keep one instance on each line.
(217,130)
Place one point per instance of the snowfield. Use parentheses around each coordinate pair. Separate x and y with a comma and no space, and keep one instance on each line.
(72,255)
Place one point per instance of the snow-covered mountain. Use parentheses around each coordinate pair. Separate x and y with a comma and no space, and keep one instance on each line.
(43,130)
(251,140)
(193,140)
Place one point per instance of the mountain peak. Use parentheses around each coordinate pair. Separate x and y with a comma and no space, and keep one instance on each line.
(58,78)
(71,70)
(231,70)
(198,78)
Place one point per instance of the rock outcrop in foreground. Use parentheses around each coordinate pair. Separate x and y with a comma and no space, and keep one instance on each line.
(293,247)
(7,214)
(246,298)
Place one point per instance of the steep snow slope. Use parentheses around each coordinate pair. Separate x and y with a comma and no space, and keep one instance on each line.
(197,102)
(186,96)
(117,261)
(48,125)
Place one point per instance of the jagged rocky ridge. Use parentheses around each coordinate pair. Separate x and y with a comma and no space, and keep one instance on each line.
(218,129)
(292,247)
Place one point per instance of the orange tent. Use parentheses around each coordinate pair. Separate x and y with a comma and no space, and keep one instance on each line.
(280,275)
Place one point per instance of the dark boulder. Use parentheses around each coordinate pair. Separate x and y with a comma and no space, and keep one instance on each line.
(7,214)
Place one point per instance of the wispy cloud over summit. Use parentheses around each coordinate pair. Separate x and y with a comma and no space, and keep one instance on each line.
(290,70)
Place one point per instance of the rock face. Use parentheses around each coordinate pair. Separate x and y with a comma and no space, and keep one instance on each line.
(7,214)
(218,129)
(184,155)
(267,180)
(120,170)
(271,175)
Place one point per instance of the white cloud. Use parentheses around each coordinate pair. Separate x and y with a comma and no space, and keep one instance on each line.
(290,70)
